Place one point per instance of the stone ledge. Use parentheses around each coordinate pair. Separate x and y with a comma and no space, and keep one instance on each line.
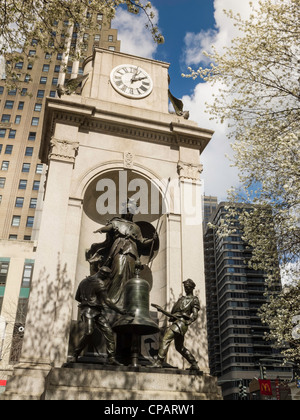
(123,383)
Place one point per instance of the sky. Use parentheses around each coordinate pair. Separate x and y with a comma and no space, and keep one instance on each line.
(189,27)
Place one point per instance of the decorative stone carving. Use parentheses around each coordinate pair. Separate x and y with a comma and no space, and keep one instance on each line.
(64,150)
(189,171)
(128,160)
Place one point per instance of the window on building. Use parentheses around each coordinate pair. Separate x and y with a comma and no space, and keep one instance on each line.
(43,80)
(32,53)
(27,238)
(29,151)
(9,104)
(0,199)
(12,92)
(2,182)
(35,121)
(16,221)
(112,48)
(30,66)
(27,275)
(8,149)
(5,118)
(38,107)
(55,79)
(22,184)
(26,167)
(30,221)
(40,93)
(13,237)
(97,37)
(57,68)
(32,135)
(1,90)
(100,17)
(5,165)
(19,202)
(21,105)
(110,38)
(24,92)
(27,78)
(46,67)
(36,185)
(39,168)
(52,93)
(34,41)
(4,266)
(18,119)
(12,134)
(33,203)
(59,57)
(19,65)
(2,132)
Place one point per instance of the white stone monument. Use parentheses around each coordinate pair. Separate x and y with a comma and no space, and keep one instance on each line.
(115,140)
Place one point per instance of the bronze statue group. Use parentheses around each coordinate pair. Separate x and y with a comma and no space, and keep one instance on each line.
(112,263)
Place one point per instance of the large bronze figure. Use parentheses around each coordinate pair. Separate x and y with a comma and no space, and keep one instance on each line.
(123,246)
(184,312)
(92,295)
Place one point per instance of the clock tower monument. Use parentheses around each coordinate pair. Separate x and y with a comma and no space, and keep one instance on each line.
(116,141)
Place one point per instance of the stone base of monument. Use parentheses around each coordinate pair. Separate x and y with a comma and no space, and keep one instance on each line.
(85,381)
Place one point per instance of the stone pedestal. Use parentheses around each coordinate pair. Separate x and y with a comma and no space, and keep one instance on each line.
(96,382)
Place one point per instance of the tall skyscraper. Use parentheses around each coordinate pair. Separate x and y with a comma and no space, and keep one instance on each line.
(21,121)
(234,293)
(210,204)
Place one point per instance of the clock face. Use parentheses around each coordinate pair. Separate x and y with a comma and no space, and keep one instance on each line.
(131,81)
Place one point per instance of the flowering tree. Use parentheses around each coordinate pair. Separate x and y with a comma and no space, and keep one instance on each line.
(23,21)
(259,99)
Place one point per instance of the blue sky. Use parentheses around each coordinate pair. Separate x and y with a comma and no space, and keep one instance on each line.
(189,27)
(174,22)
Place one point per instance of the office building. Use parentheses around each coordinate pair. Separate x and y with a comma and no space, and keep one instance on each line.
(234,293)
(21,120)
(210,204)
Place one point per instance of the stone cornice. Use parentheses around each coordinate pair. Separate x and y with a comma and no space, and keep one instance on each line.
(90,118)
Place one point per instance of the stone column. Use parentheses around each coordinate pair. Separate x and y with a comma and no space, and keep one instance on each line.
(50,302)
(192,254)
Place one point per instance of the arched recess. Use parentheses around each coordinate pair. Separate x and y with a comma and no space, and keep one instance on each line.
(105,189)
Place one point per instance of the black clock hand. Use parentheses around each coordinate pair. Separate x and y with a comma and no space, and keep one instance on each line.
(135,73)
(138,79)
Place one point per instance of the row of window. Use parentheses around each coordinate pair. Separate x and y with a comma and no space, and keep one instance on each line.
(25,167)
(9,104)
(16,220)
(6,119)
(27,274)
(12,135)
(9,148)
(20,202)
(13,92)
(22,184)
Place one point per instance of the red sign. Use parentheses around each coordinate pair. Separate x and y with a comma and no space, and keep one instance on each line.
(2,382)
(265,387)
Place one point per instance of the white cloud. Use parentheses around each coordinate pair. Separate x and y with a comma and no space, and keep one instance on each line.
(135,39)
(218,175)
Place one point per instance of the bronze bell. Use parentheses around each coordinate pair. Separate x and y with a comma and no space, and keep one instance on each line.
(136,301)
